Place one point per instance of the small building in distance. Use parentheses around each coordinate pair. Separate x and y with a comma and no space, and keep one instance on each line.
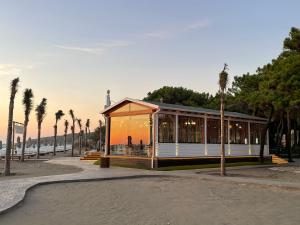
(155,134)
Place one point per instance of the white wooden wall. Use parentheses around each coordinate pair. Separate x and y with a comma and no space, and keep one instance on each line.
(194,150)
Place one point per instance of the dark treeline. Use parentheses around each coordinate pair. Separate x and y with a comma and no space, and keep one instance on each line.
(272,92)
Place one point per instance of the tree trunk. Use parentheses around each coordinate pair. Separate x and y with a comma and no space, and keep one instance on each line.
(24,140)
(298,137)
(65,144)
(264,135)
(100,136)
(295,134)
(73,139)
(55,134)
(279,131)
(288,136)
(86,137)
(223,171)
(79,142)
(9,136)
(38,141)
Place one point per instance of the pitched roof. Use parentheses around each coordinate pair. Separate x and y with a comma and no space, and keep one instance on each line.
(183,108)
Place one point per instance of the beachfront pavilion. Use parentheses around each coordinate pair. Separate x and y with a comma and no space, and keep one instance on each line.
(154,134)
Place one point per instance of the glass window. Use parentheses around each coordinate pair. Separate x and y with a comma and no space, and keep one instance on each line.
(190,129)
(255,133)
(239,132)
(214,131)
(166,128)
(130,135)
(130,107)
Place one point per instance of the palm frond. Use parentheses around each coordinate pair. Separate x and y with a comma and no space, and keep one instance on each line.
(40,111)
(87,124)
(79,123)
(58,115)
(66,126)
(223,79)
(14,86)
(27,101)
(71,112)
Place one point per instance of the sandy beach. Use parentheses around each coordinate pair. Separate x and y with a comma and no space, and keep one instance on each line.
(156,201)
(35,168)
(289,173)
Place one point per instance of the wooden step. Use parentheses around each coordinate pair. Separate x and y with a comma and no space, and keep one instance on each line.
(278,160)
(89,158)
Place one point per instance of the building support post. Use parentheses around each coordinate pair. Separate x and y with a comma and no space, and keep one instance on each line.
(228,138)
(156,136)
(152,137)
(105,162)
(205,135)
(176,136)
(249,137)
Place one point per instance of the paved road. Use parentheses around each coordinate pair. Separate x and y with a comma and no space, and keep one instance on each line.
(13,191)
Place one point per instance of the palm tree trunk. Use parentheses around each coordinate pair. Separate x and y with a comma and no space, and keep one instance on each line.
(79,142)
(24,141)
(9,136)
(38,142)
(86,130)
(55,134)
(65,145)
(73,139)
(223,170)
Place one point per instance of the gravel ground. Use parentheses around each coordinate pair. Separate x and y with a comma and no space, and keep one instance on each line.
(156,201)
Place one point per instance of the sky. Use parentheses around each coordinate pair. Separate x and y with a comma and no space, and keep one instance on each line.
(72,51)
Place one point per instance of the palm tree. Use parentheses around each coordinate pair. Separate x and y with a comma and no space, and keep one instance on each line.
(71,112)
(223,80)
(13,92)
(58,115)
(28,105)
(79,134)
(40,112)
(66,132)
(87,132)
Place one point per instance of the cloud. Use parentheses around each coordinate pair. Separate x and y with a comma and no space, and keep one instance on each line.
(168,33)
(114,44)
(16,69)
(81,49)
(99,49)
(198,25)
(10,69)
(159,34)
